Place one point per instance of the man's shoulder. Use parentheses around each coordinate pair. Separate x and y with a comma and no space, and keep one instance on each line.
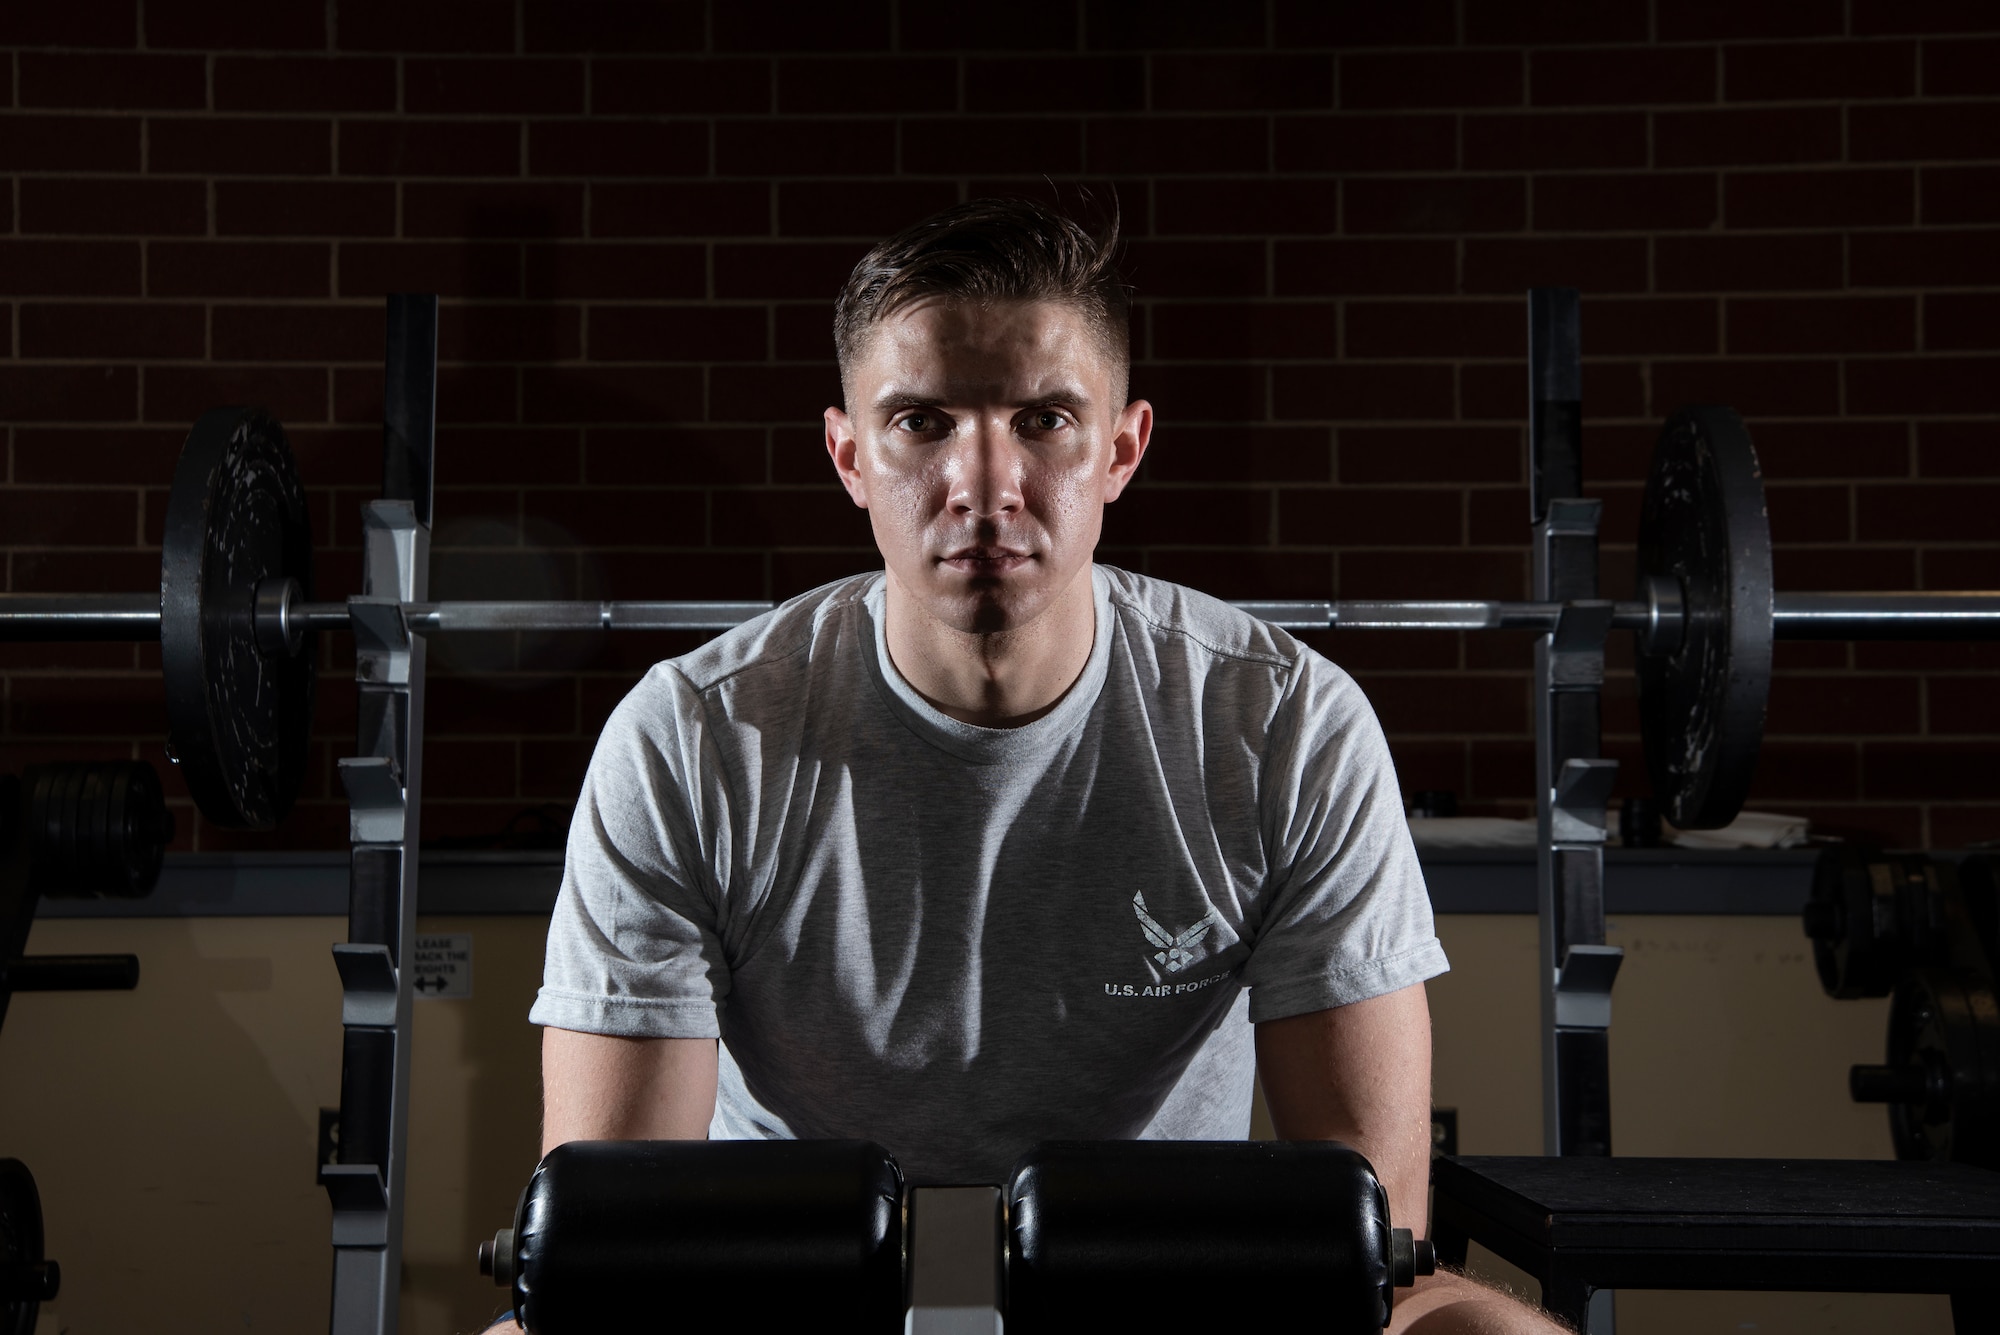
(1193,621)
(781,638)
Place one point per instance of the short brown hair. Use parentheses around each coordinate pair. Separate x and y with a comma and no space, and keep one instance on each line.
(990,250)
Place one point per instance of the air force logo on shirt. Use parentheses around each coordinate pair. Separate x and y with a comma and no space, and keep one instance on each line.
(1174,952)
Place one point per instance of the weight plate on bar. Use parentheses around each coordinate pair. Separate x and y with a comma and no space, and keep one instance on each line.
(238,719)
(26,1278)
(1701,706)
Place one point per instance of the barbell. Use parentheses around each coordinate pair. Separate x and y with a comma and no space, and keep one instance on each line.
(236,621)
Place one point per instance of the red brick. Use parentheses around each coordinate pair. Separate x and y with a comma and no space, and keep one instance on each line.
(806,147)
(993,144)
(772,393)
(1801,515)
(1952,827)
(1029,25)
(1961,322)
(1433,329)
(1341,268)
(1414,23)
(1183,393)
(1961,68)
(612,27)
(1433,574)
(466,394)
(1125,25)
(568,272)
(1567,140)
(805,271)
(1209,82)
(69,268)
(407,147)
(304,83)
(219,146)
(1831,570)
(82,206)
(440,25)
(1590,264)
(1753,388)
(296,333)
(1923,512)
(1833,449)
(855,209)
(1916,770)
(1746,263)
(678,333)
(1361,393)
(68,393)
(112,329)
(1347,143)
(68,571)
(849,86)
(1650,202)
(689,456)
(48,517)
(531,211)
(670,87)
(505,704)
(216,25)
(1822,325)
(1924,131)
(1838,197)
(1432,79)
(605,394)
(695,208)
(304,208)
(1287,454)
(131,456)
(510,332)
(788,517)
(113,82)
(342,456)
(1924,385)
(628,517)
(1961,195)
(450,269)
(1930,257)
(1495,391)
(1960,705)
(1819,706)
(1721,138)
(1622,77)
(599,148)
(1177,146)
(1649,326)
(1438,204)
(99,23)
(1195,268)
(1242,574)
(1788,771)
(1250,330)
(1430,454)
(1148,515)
(68,143)
(716,574)
(1081,83)
(1819,71)
(183,393)
(1370,517)
(1709,20)
(1497,517)
(509,86)
(76,706)
(1958,449)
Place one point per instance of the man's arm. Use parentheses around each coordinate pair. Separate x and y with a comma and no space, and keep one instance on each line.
(597,1087)
(1361,1074)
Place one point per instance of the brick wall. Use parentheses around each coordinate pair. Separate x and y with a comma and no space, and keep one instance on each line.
(637,215)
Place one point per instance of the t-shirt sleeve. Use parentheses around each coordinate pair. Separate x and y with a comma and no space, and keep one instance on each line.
(1348,916)
(633,945)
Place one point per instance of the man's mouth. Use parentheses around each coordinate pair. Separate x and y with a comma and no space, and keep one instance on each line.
(983,561)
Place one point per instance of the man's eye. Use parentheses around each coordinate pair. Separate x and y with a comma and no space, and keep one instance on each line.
(918,422)
(1048,421)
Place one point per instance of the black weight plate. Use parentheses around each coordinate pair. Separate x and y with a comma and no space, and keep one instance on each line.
(1701,707)
(20,1242)
(237,719)
(1946,1023)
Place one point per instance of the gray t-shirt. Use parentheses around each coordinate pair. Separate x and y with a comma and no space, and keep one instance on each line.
(959,941)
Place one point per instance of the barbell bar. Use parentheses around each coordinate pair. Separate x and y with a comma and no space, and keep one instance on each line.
(78,617)
(234,615)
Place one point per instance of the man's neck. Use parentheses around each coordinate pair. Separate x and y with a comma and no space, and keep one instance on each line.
(1001,679)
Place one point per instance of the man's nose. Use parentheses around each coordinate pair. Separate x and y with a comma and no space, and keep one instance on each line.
(986,477)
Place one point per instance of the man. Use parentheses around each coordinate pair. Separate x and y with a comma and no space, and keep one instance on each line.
(997,846)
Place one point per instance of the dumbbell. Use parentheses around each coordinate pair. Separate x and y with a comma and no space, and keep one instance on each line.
(1084,1236)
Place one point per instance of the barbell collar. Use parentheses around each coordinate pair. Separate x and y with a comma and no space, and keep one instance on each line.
(1887,616)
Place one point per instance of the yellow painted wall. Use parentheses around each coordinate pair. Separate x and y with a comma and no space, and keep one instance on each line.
(172,1128)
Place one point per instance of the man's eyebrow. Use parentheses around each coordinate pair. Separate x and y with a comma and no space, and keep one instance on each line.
(895,401)
(1062,396)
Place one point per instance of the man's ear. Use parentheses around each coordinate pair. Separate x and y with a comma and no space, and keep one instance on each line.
(1131,434)
(840,448)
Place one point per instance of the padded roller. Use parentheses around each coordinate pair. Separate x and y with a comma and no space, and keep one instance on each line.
(708,1235)
(1120,1235)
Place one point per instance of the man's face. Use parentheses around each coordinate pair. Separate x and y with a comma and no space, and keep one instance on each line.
(984,442)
